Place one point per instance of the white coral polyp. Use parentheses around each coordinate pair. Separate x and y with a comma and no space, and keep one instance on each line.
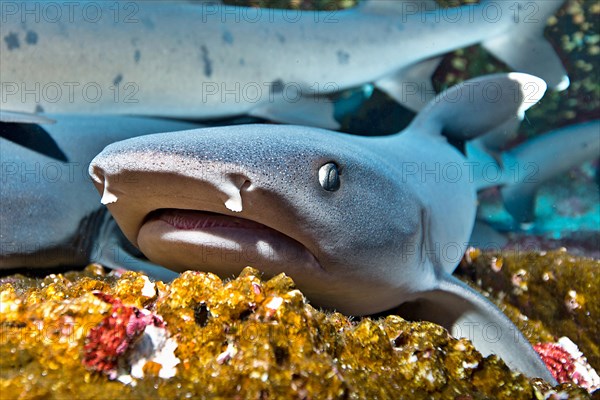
(156,346)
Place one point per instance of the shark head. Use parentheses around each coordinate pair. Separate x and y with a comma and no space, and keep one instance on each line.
(311,203)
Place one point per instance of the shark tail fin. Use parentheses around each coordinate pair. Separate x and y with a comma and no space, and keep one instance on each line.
(524,48)
(477,106)
(542,158)
(466,313)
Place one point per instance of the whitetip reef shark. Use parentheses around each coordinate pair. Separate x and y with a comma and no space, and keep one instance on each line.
(362,224)
(210,61)
(49,213)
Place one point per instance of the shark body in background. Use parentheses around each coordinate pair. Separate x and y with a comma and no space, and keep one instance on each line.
(209,61)
(362,224)
(516,170)
(569,147)
(49,214)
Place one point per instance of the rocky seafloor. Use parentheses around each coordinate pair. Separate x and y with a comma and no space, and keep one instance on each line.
(91,334)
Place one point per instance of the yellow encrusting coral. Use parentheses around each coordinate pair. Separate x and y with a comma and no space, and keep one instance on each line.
(243,338)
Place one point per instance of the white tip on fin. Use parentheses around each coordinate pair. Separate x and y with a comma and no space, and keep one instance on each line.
(563,84)
(532,89)
(479,105)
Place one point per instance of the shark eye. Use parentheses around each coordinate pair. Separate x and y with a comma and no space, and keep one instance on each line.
(329,177)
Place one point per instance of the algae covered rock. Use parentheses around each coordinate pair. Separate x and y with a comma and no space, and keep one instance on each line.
(554,288)
(552,297)
(96,335)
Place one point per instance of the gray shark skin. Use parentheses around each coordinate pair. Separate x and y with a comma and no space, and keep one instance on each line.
(199,61)
(362,224)
(49,214)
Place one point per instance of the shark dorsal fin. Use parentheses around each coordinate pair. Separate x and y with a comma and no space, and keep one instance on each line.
(474,107)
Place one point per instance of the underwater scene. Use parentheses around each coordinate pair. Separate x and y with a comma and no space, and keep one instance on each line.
(300,199)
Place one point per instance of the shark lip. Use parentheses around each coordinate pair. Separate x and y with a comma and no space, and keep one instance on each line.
(202,220)
(194,239)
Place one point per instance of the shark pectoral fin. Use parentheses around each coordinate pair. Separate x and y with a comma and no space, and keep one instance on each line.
(317,111)
(466,313)
(112,250)
(17,117)
(474,107)
(118,258)
(411,86)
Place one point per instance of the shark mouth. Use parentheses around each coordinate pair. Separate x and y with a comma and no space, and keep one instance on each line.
(224,244)
(202,220)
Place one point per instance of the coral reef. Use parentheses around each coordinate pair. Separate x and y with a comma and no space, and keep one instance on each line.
(548,295)
(568,364)
(78,335)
